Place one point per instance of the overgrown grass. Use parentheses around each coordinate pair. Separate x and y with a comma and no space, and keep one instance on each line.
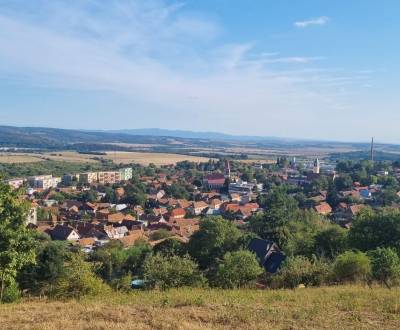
(328,308)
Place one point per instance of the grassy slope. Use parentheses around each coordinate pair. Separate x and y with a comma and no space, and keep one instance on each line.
(327,308)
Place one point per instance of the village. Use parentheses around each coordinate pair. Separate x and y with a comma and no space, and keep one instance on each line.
(155,203)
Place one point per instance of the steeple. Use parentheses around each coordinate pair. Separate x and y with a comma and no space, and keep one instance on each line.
(227,169)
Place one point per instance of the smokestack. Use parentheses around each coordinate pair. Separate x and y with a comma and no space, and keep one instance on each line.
(372,149)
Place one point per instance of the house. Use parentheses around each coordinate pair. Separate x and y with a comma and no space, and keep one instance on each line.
(185,227)
(177,213)
(356,208)
(115,232)
(183,203)
(268,254)
(64,233)
(132,238)
(198,207)
(323,209)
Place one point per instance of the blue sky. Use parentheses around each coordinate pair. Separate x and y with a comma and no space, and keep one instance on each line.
(309,69)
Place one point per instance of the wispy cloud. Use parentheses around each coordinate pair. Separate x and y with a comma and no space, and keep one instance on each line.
(161,57)
(314,21)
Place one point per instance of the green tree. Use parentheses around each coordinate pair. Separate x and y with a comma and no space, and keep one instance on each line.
(17,244)
(215,237)
(170,247)
(352,267)
(385,265)
(167,272)
(237,269)
(49,267)
(272,224)
(331,242)
(371,230)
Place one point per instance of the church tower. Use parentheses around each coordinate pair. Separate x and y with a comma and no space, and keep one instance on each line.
(227,171)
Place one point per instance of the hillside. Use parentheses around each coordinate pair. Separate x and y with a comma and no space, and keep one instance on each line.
(321,308)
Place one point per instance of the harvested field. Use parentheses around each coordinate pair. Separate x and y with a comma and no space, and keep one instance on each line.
(145,158)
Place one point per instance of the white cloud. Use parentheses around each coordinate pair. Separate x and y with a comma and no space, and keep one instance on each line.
(315,21)
(160,57)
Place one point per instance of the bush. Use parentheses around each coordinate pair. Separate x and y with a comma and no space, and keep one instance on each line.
(78,280)
(300,270)
(11,292)
(352,267)
(385,266)
(167,272)
(160,234)
(237,269)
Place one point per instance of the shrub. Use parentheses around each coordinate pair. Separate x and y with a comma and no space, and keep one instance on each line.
(78,280)
(300,270)
(160,234)
(352,267)
(11,292)
(237,269)
(385,266)
(166,272)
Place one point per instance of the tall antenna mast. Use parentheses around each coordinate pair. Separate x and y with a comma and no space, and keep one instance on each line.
(372,149)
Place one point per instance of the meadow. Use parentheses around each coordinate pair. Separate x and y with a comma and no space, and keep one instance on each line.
(343,307)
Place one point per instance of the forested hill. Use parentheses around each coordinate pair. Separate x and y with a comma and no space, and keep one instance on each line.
(39,137)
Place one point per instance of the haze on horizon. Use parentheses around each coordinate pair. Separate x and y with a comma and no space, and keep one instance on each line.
(307,69)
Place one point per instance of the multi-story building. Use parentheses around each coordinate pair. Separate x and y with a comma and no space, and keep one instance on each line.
(126,173)
(88,177)
(68,179)
(43,182)
(243,187)
(16,183)
(109,177)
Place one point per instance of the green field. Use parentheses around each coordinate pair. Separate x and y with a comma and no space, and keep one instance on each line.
(346,307)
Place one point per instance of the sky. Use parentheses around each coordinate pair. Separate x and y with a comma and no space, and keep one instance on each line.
(313,69)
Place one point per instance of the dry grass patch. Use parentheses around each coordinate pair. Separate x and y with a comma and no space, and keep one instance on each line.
(17,158)
(315,308)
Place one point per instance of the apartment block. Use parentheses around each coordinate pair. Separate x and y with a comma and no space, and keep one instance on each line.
(109,177)
(126,173)
(88,177)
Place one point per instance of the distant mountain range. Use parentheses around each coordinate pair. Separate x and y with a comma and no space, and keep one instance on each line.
(56,138)
(192,135)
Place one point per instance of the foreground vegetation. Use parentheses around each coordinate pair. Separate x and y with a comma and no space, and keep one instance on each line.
(342,307)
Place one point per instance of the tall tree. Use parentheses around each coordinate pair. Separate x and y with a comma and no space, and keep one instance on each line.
(17,244)
(272,224)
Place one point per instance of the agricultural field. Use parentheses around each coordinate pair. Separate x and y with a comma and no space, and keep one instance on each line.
(17,158)
(142,158)
(346,307)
